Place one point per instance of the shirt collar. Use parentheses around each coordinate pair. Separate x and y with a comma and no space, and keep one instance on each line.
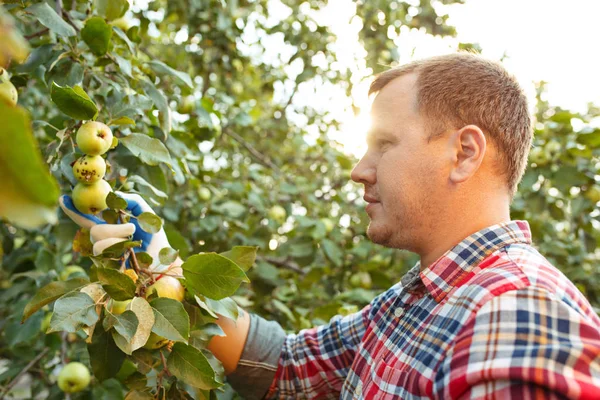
(451,268)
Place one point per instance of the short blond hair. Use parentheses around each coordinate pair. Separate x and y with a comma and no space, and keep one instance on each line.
(463,88)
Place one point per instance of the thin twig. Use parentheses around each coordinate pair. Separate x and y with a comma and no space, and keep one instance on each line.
(70,20)
(164,362)
(263,160)
(285,263)
(34,35)
(23,372)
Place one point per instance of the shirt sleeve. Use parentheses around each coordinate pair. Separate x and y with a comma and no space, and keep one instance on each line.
(522,342)
(258,363)
(315,362)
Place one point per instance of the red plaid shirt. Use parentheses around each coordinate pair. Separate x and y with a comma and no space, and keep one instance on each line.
(492,318)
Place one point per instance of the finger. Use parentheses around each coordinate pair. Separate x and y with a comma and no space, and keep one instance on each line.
(135,203)
(101,245)
(105,231)
(81,219)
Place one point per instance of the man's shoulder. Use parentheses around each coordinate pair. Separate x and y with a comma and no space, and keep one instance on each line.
(520,267)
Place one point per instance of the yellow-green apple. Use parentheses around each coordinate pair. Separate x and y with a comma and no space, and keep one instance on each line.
(91,199)
(94,138)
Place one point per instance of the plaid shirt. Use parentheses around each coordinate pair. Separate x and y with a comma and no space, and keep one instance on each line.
(492,318)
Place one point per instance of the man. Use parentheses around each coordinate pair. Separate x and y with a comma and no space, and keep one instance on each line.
(483,314)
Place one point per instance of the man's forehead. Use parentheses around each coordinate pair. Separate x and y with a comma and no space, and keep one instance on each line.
(397,97)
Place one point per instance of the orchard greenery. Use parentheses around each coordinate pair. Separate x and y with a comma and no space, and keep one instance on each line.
(207,125)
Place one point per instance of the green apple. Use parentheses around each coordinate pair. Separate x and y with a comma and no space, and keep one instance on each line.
(122,23)
(187,105)
(277,213)
(168,286)
(72,270)
(329,224)
(119,307)
(361,279)
(89,169)
(155,342)
(94,138)
(593,194)
(74,377)
(204,194)
(91,199)
(46,322)
(9,93)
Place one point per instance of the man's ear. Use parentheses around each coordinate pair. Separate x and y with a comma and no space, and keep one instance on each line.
(468,146)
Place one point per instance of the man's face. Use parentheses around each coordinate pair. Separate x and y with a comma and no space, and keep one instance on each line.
(405,177)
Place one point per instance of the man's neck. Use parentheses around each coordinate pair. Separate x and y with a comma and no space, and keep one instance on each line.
(452,233)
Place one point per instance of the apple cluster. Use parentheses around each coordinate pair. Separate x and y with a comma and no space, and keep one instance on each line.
(165,286)
(8,92)
(89,195)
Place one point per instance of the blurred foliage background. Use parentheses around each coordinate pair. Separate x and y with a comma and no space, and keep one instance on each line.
(217,82)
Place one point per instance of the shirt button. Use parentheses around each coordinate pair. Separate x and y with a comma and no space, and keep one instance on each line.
(399,312)
(358,388)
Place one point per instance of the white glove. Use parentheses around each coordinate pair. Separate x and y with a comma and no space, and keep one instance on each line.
(104,235)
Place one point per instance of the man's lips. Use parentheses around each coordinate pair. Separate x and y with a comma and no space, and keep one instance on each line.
(370,199)
(372,202)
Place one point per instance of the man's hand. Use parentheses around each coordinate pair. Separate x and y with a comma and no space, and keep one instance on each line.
(104,235)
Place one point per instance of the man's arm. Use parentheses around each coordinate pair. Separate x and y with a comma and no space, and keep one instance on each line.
(228,349)
(521,343)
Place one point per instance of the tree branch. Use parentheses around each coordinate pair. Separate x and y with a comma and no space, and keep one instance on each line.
(285,263)
(34,35)
(263,160)
(69,19)
(23,372)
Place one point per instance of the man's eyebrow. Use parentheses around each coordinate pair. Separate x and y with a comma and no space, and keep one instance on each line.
(374,133)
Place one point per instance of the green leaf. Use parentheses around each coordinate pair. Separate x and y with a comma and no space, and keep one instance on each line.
(142,182)
(145,316)
(125,39)
(124,65)
(72,312)
(96,34)
(201,300)
(117,249)
(332,251)
(171,321)
(192,367)
(225,307)
(74,102)
(231,208)
(168,255)
(125,324)
(118,285)
(29,192)
(212,275)
(105,357)
(51,292)
(121,121)
(51,20)
(111,9)
(161,103)
(243,256)
(115,202)
(150,150)
(163,68)
(150,222)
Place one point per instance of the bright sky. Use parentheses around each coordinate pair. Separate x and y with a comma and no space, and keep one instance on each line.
(550,40)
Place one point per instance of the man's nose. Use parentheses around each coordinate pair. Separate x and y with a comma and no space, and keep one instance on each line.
(363,172)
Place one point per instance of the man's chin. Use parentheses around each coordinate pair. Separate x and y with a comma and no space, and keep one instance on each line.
(378,234)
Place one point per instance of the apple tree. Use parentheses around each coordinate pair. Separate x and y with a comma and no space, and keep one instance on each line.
(205,101)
